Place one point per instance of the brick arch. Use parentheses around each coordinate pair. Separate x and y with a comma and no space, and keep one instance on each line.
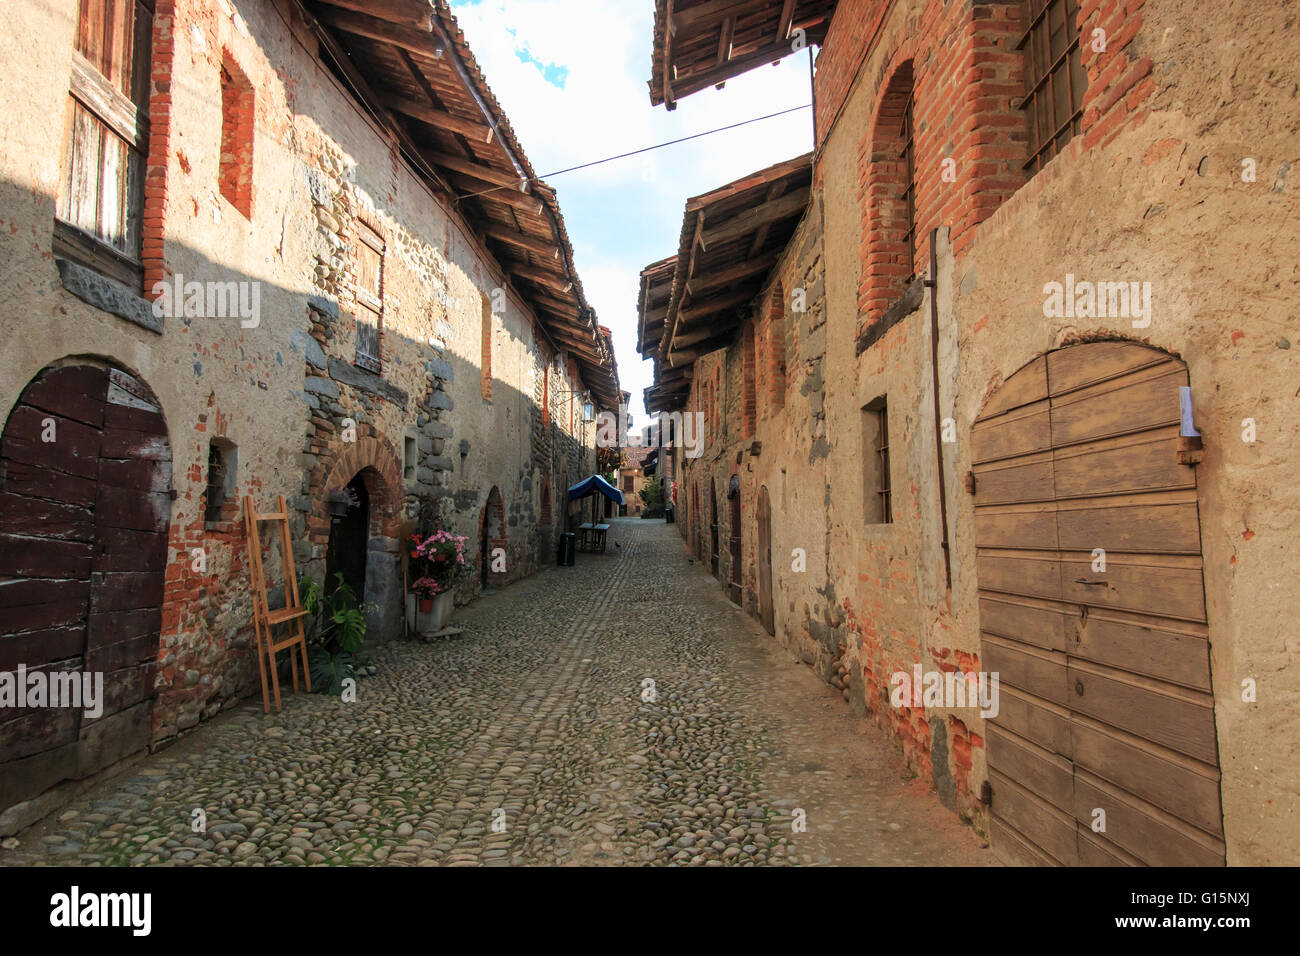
(883,178)
(375,459)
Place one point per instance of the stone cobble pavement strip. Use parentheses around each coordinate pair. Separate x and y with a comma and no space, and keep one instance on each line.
(533,738)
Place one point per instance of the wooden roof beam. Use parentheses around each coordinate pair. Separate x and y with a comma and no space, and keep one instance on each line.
(439,119)
(784,24)
(670,98)
(469,167)
(748,221)
(717,278)
(383,31)
(714,9)
(550,280)
(416,14)
(708,307)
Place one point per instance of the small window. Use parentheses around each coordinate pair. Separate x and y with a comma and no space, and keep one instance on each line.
(877,498)
(238,118)
(370,297)
(410,455)
(222,469)
(1054,78)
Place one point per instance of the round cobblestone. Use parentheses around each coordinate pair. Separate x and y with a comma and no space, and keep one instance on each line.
(534,737)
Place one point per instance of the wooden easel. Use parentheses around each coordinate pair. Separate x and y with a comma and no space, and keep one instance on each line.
(265,619)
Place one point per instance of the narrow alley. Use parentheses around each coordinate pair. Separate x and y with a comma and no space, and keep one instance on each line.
(536,710)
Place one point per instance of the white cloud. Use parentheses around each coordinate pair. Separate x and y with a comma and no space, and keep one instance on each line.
(623,215)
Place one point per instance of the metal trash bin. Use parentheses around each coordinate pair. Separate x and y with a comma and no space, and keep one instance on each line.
(567,556)
(669,518)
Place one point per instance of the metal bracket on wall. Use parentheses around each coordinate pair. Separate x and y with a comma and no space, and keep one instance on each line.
(1191,450)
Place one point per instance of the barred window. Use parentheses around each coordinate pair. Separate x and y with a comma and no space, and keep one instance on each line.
(878,499)
(100,210)
(1054,78)
(907,159)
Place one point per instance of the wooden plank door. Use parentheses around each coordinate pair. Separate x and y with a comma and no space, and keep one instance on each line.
(766,603)
(85,506)
(1104,751)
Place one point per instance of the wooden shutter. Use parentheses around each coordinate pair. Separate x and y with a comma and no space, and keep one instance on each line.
(101,202)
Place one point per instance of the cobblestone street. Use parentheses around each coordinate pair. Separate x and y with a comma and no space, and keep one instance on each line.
(536,710)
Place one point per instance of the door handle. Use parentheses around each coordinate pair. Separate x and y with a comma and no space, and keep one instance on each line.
(1091,584)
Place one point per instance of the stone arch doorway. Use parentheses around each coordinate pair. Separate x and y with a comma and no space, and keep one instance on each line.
(1093,613)
(369,466)
(766,605)
(492,535)
(350,540)
(85,512)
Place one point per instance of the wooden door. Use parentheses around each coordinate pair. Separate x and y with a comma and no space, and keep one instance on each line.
(713,529)
(766,605)
(1092,611)
(85,506)
(736,548)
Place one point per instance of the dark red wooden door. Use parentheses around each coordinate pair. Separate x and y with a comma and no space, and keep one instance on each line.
(85,505)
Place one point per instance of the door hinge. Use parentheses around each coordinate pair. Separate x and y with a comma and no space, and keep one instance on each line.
(986,794)
(970,482)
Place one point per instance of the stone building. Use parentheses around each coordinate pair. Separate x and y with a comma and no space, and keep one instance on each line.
(1009,389)
(632,479)
(263,248)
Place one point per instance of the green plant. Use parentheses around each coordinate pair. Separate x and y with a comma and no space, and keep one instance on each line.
(652,495)
(336,630)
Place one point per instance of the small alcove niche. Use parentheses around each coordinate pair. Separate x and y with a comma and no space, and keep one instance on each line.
(223,472)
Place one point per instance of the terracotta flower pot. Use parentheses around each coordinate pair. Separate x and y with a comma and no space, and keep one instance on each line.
(426,605)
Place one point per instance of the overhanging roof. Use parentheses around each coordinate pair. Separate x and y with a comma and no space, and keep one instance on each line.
(652,303)
(731,238)
(703,43)
(408,63)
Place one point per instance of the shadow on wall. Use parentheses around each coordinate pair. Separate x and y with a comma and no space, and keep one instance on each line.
(240,409)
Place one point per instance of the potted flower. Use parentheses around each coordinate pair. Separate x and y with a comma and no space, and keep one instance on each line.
(426,589)
(342,500)
(437,561)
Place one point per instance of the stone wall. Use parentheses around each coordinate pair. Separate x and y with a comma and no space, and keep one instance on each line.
(1171,181)
(286,395)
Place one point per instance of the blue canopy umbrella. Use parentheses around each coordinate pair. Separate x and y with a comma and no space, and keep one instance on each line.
(596,485)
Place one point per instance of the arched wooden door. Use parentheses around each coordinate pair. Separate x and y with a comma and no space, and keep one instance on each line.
(766,608)
(85,508)
(1092,612)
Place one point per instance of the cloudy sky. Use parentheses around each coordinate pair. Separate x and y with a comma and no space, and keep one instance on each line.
(572,75)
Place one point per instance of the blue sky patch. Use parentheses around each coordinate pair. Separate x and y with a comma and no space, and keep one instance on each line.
(552,73)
